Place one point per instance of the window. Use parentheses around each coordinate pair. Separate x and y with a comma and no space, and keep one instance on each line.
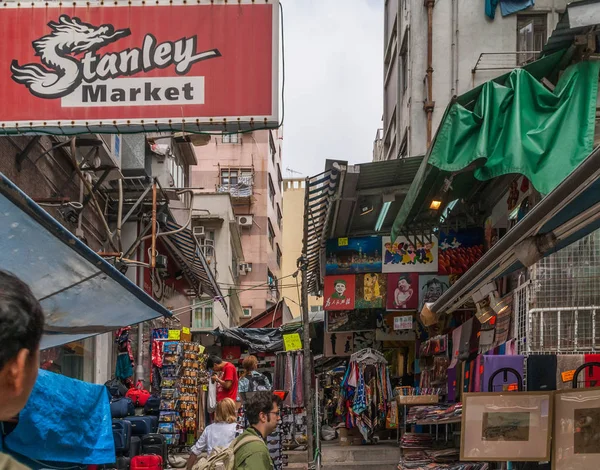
(403,151)
(531,36)
(279,217)
(235,176)
(246,312)
(271,191)
(230,138)
(404,63)
(177,172)
(273,288)
(315,308)
(278,254)
(272,147)
(279,178)
(271,234)
(203,314)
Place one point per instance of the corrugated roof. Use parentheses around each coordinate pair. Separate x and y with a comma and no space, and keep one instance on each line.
(563,35)
(388,173)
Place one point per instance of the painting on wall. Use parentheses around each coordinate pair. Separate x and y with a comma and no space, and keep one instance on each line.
(404,256)
(402,291)
(387,324)
(350,320)
(365,339)
(338,344)
(459,250)
(371,290)
(431,288)
(339,292)
(353,255)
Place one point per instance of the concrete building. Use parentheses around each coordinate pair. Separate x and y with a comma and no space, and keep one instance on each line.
(248,167)
(467,49)
(293,230)
(215,227)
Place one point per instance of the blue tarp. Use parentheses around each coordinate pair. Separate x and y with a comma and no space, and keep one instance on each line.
(82,295)
(65,420)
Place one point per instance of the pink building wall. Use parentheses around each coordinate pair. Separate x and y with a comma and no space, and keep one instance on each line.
(252,150)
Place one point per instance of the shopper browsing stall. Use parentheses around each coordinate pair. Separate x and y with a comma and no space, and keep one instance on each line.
(227,384)
(262,411)
(218,434)
(21,328)
(252,380)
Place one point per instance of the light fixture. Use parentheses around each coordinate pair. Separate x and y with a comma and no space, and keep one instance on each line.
(435,204)
(499,305)
(484,314)
(382,214)
(366,208)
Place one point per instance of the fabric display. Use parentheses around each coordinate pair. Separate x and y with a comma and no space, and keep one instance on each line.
(433,412)
(289,377)
(564,365)
(125,360)
(541,372)
(434,363)
(366,393)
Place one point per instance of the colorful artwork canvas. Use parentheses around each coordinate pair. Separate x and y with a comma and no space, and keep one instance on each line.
(402,291)
(460,250)
(338,344)
(350,320)
(365,339)
(353,255)
(405,256)
(339,292)
(385,328)
(371,289)
(431,288)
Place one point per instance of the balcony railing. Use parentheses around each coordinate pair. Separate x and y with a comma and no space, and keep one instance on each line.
(240,190)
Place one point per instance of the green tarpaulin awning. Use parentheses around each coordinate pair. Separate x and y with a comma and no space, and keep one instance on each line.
(513,124)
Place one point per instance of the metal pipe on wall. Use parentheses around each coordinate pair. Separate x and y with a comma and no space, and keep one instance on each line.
(153,246)
(429,104)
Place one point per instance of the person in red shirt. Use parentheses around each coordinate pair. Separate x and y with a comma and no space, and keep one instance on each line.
(227,384)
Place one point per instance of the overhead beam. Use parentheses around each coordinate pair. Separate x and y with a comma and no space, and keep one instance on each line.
(398,189)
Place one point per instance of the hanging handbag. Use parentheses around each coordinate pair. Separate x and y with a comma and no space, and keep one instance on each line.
(212,396)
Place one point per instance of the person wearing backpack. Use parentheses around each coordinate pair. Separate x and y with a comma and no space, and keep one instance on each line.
(251,451)
(252,380)
(217,435)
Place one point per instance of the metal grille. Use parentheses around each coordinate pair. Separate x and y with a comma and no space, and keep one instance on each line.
(520,305)
(561,301)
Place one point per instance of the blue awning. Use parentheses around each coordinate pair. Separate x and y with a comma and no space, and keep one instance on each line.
(82,295)
(186,251)
(569,213)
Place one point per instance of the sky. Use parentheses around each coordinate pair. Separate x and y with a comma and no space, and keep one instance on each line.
(333,83)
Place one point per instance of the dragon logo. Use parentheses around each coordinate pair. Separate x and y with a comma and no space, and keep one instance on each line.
(69,36)
(69,57)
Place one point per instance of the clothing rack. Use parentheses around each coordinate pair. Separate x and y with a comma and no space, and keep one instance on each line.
(368,356)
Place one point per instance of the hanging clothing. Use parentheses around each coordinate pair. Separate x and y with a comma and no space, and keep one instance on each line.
(508,7)
(124,369)
(490,8)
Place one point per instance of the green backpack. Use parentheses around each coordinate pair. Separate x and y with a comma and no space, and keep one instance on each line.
(223,458)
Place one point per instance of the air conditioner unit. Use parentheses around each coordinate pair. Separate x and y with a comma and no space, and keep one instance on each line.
(198,231)
(243,269)
(244,220)
(246,312)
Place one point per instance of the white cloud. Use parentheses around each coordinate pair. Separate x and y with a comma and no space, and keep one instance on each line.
(334,81)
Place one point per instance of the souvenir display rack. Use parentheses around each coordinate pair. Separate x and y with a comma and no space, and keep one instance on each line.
(183,371)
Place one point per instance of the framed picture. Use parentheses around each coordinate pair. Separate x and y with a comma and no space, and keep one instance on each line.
(353,255)
(431,288)
(402,291)
(339,292)
(576,442)
(371,290)
(405,256)
(365,339)
(338,344)
(513,426)
(459,250)
(351,320)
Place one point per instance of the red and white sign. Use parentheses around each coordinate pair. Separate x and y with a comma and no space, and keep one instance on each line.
(124,68)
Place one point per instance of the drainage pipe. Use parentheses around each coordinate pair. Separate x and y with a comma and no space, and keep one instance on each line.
(429,104)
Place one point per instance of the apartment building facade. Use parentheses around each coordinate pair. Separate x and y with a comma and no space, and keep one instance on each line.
(248,167)
(467,48)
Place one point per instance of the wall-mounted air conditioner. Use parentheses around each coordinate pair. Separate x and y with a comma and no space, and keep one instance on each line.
(245,220)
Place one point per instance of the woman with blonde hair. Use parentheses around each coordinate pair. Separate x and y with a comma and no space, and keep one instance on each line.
(218,434)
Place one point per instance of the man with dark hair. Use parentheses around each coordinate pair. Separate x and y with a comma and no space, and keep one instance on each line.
(227,385)
(21,328)
(262,412)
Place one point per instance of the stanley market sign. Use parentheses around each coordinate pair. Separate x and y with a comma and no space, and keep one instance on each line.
(126,68)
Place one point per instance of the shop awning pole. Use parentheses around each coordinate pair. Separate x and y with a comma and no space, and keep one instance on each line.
(308,392)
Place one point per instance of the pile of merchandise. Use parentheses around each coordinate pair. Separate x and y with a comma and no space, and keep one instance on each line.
(434,412)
